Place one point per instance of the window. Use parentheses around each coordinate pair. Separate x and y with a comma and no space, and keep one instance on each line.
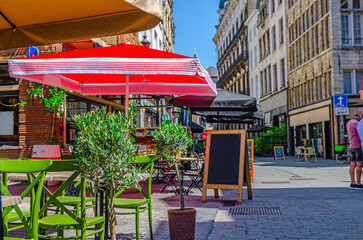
(282,67)
(322,8)
(280,1)
(344,4)
(269,78)
(358,80)
(327,43)
(255,55)
(272,6)
(275,76)
(357,29)
(251,59)
(281,27)
(256,84)
(347,82)
(260,43)
(261,83)
(268,41)
(345,29)
(273,38)
(9,120)
(250,35)
(356,4)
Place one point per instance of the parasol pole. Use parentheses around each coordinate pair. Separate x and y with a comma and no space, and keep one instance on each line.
(127,97)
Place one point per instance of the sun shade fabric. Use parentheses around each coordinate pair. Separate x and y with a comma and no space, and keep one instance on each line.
(229,107)
(102,71)
(40,22)
(225,100)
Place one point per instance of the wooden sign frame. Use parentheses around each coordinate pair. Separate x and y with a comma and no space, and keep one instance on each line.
(243,167)
(283,153)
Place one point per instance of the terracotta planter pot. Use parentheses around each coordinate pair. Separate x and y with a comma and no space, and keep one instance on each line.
(182,224)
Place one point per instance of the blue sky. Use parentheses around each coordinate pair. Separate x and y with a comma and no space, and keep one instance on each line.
(195,22)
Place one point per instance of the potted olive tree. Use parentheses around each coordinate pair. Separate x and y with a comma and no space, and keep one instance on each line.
(107,152)
(171,139)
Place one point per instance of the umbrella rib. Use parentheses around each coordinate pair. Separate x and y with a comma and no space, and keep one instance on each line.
(88,79)
(12,25)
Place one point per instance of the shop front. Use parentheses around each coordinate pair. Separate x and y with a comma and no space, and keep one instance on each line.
(311,126)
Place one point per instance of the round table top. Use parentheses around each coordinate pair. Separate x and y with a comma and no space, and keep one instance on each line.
(7,201)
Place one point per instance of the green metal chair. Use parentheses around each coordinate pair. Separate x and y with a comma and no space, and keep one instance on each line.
(30,167)
(69,220)
(74,201)
(139,205)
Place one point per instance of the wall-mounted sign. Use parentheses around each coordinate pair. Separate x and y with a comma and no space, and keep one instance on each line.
(341,111)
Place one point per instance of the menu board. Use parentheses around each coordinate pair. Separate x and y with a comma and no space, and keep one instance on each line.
(226,163)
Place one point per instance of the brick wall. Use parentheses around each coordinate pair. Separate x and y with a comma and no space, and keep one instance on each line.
(10,153)
(35,122)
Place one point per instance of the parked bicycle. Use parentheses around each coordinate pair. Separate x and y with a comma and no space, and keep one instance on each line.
(342,153)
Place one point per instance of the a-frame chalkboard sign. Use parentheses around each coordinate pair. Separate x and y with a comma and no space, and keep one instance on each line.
(226,163)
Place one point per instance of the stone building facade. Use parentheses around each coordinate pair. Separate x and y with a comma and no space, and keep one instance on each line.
(253,53)
(231,44)
(325,59)
(271,25)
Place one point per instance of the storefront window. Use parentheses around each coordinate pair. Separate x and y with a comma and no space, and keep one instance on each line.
(9,120)
(76,106)
(316,137)
(5,79)
(300,135)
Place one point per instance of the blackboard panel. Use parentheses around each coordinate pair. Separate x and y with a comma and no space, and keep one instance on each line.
(224,158)
(279,152)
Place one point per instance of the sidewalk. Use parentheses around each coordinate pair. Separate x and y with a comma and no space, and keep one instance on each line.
(290,201)
(311,201)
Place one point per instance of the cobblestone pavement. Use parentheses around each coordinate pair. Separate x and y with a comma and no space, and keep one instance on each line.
(291,200)
(313,200)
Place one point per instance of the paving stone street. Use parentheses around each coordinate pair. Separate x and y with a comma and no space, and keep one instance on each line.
(291,200)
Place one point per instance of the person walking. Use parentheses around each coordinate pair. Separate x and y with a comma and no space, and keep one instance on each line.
(355,135)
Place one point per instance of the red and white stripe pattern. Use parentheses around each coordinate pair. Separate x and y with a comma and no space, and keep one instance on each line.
(125,66)
(103,71)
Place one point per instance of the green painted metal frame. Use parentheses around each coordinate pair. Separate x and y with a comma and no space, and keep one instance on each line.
(69,165)
(149,161)
(28,167)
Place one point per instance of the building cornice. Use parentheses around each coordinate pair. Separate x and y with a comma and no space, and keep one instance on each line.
(224,23)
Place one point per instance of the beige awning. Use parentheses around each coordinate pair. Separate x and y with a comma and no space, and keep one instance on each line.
(40,22)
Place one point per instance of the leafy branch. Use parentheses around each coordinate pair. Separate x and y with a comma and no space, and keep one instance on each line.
(54,104)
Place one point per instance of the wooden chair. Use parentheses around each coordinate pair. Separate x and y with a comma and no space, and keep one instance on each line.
(69,220)
(136,206)
(29,167)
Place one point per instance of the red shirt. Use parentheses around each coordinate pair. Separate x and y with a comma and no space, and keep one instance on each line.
(354,140)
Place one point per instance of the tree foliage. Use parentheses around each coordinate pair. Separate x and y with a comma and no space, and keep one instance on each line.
(276,134)
(171,139)
(106,150)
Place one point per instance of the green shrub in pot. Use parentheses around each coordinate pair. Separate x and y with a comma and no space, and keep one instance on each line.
(171,139)
(107,152)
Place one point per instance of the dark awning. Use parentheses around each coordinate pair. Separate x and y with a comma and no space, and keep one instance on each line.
(196,128)
(258,128)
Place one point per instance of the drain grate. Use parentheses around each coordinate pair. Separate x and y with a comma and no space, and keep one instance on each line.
(255,211)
